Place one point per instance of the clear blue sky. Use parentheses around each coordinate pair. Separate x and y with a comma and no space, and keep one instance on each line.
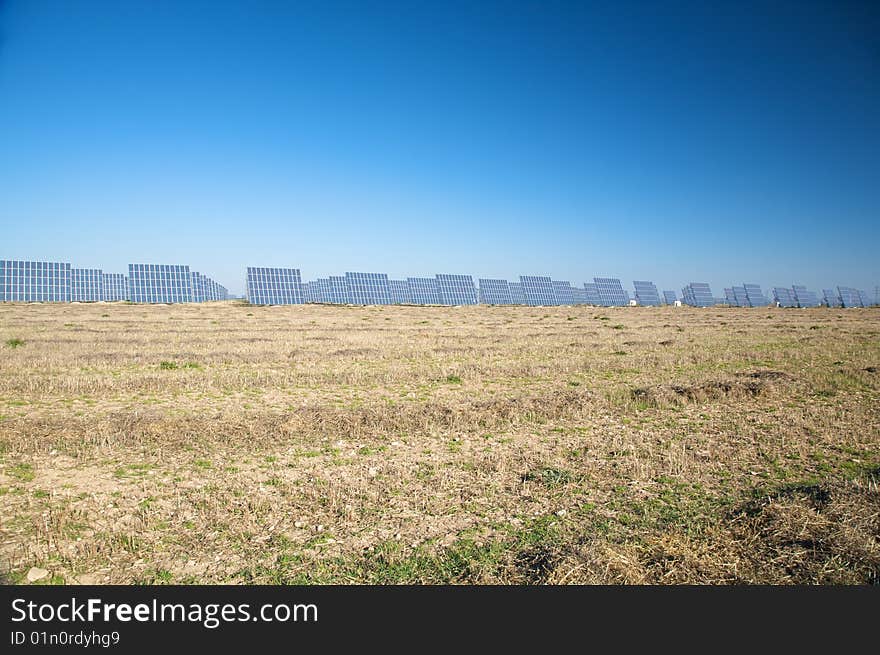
(723,142)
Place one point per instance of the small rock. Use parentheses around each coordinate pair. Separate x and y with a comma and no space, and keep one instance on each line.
(36,573)
(299,524)
(373,471)
(561,512)
(319,528)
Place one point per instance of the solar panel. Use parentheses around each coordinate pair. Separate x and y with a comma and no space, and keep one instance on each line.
(400,293)
(424,290)
(274,286)
(669,297)
(831,298)
(517,296)
(803,297)
(849,297)
(538,290)
(159,283)
(338,290)
(456,289)
(368,288)
(755,296)
(742,298)
(495,292)
(86,285)
(199,284)
(563,292)
(579,295)
(34,281)
(863,298)
(115,287)
(646,293)
(698,294)
(592,291)
(784,297)
(730,298)
(611,292)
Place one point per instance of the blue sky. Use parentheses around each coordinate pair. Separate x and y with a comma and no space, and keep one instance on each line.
(721,142)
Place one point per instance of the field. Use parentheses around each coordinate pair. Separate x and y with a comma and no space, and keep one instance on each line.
(224,443)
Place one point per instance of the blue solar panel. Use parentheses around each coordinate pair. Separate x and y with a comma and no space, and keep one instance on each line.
(424,290)
(115,287)
(456,289)
(368,288)
(669,297)
(755,296)
(803,297)
(849,297)
(274,286)
(646,293)
(400,293)
(831,298)
(86,285)
(579,296)
(698,294)
(495,292)
(563,292)
(863,298)
(338,290)
(34,281)
(517,296)
(730,298)
(159,283)
(784,297)
(538,290)
(592,291)
(611,292)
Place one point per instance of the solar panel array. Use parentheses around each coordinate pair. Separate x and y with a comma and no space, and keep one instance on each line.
(29,281)
(517,296)
(755,296)
(849,297)
(115,287)
(400,293)
(495,292)
(537,289)
(159,283)
(698,294)
(424,290)
(34,281)
(579,295)
(784,297)
(368,288)
(86,285)
(456,289)
(592,291)
(611,292)
(830,298)
(205,289)
(274,286)
(646,293)
(563,292)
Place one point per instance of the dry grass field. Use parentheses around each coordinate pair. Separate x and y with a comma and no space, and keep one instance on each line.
(224,443)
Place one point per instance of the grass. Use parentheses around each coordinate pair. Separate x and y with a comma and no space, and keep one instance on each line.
(14,343)
(316,444)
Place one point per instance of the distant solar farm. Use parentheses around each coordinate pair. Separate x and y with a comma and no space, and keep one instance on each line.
(32,281)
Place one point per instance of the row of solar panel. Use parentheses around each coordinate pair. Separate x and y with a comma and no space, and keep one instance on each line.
(698,294)
(275,286)
(147,283)
(283,286)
